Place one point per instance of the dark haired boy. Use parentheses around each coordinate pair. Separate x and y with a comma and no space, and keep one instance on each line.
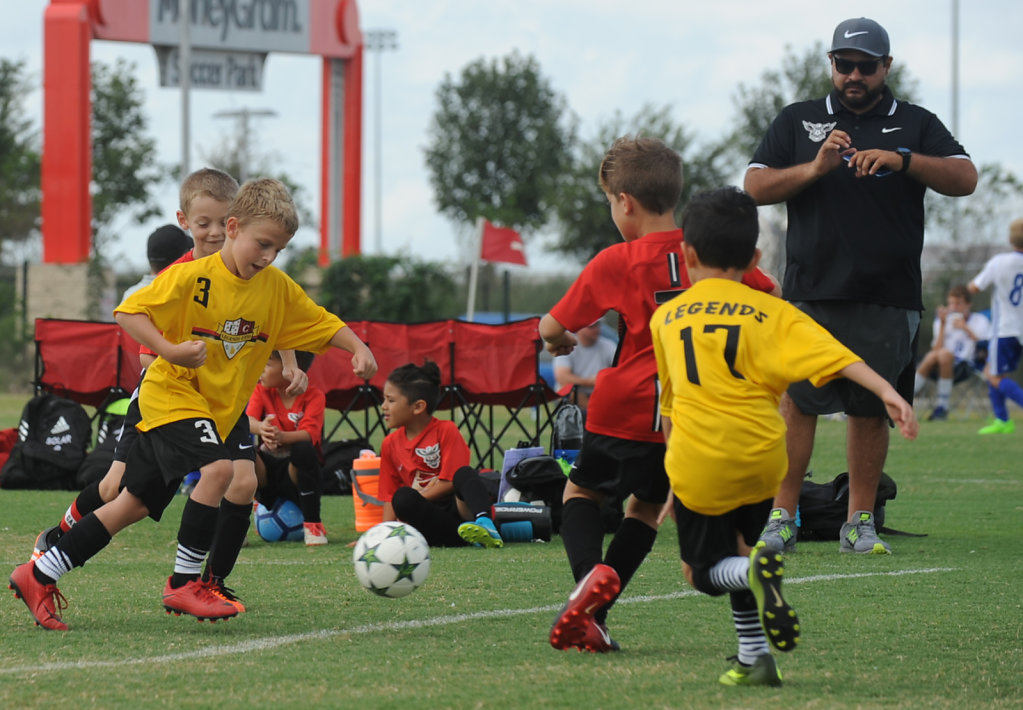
(623,449)
(725,354)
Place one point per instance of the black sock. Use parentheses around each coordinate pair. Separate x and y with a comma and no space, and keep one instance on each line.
(582,531)
(628,548)
(232,526)
(198,521)
(469,487)
(77,546)
(88,500)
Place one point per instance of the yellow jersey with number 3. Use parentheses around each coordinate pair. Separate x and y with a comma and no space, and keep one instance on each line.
(241,321)
(725,354)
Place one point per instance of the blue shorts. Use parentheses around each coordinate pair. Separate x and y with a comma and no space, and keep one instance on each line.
(1004,356)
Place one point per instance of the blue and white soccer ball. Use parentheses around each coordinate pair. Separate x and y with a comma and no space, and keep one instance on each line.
(392,559)
(283,522)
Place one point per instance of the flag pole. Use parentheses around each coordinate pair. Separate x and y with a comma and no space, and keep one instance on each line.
(474,270)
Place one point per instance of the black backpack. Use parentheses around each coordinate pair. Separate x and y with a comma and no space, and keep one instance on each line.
(110,416)
(337,465)
(566,427)
(53,436)
(823,507)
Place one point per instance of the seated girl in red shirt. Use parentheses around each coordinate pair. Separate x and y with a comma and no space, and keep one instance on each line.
(425,476)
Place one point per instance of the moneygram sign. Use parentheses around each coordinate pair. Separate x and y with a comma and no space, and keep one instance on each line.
(230,39)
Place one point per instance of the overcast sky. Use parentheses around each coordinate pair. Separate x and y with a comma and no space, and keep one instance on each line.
(601,55)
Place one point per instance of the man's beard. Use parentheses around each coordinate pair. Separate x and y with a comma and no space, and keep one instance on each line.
(862,101)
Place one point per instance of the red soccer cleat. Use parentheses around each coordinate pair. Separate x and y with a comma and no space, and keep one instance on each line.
(575,627)
(44,601)
(197,599)
(217,586)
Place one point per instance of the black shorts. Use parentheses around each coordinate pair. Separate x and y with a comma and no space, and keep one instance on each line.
(705,540)
(163,456)
(128,434)
(884,336)
(621,467)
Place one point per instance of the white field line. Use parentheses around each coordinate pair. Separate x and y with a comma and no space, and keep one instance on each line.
(272,642)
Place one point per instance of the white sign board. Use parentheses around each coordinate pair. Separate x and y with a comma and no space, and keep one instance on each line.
(228,71)
(249,25)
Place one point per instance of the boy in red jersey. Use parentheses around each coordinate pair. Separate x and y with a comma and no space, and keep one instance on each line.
(623,447)
(290,428)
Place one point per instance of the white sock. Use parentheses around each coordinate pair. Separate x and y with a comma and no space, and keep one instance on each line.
(189,561)
(944,392)
(54,564)
(731,574)
(752,642)
(918,383)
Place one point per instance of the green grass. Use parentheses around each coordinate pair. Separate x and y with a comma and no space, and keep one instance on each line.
(936,625)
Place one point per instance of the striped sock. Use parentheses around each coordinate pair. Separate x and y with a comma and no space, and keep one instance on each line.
(187,565)
(52,565)
(730,574)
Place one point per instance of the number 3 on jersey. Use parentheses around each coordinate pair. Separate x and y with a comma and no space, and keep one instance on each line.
(731,349)
(202,291)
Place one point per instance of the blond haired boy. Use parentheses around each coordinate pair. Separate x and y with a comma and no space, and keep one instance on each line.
(213,322)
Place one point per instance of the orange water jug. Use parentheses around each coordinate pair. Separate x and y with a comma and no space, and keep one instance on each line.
(369,509)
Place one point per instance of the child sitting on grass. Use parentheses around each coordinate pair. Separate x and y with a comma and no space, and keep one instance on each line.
(425,476)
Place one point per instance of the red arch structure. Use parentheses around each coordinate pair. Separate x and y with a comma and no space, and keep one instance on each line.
(329,28)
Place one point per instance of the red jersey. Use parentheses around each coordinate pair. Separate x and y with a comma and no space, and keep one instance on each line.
(186,257)
(305,413)
(438,451)
(633,279)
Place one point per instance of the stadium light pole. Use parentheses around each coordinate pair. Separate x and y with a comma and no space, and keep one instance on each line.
(185,72)
(243,115)
(378,41)
(955,105)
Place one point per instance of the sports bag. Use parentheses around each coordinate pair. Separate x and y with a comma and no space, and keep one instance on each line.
(53,436)
(110,417)
(823,507)
(566,427)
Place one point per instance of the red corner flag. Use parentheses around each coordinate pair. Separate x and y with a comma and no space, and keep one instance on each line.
(502,244)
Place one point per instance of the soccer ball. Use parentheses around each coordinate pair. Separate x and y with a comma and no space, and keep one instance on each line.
(282,522)
(391,559)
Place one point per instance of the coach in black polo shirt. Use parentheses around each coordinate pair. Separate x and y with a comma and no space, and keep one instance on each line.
(853,168)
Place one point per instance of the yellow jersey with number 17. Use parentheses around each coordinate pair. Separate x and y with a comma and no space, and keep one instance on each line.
(241,321)
(725,354)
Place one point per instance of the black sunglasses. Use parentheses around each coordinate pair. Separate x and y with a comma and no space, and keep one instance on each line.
(846,66)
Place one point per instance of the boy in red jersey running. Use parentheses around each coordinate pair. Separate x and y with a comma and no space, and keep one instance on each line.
(623,447)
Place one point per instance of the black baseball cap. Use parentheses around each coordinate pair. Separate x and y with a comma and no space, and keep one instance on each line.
(166,244)
(862,35)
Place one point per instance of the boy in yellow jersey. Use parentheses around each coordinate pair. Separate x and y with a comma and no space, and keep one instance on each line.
(204,197)
(725,354)
(213,322)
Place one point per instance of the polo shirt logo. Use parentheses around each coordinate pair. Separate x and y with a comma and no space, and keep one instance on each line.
(818,131)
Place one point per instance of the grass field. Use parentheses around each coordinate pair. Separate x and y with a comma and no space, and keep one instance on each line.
(939,624)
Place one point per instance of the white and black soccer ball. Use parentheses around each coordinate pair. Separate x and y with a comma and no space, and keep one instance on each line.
(392,559)
(283,522)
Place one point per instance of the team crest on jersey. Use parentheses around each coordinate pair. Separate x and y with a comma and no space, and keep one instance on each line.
(235,333)
(431,455)
(295,417)
(818,131)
